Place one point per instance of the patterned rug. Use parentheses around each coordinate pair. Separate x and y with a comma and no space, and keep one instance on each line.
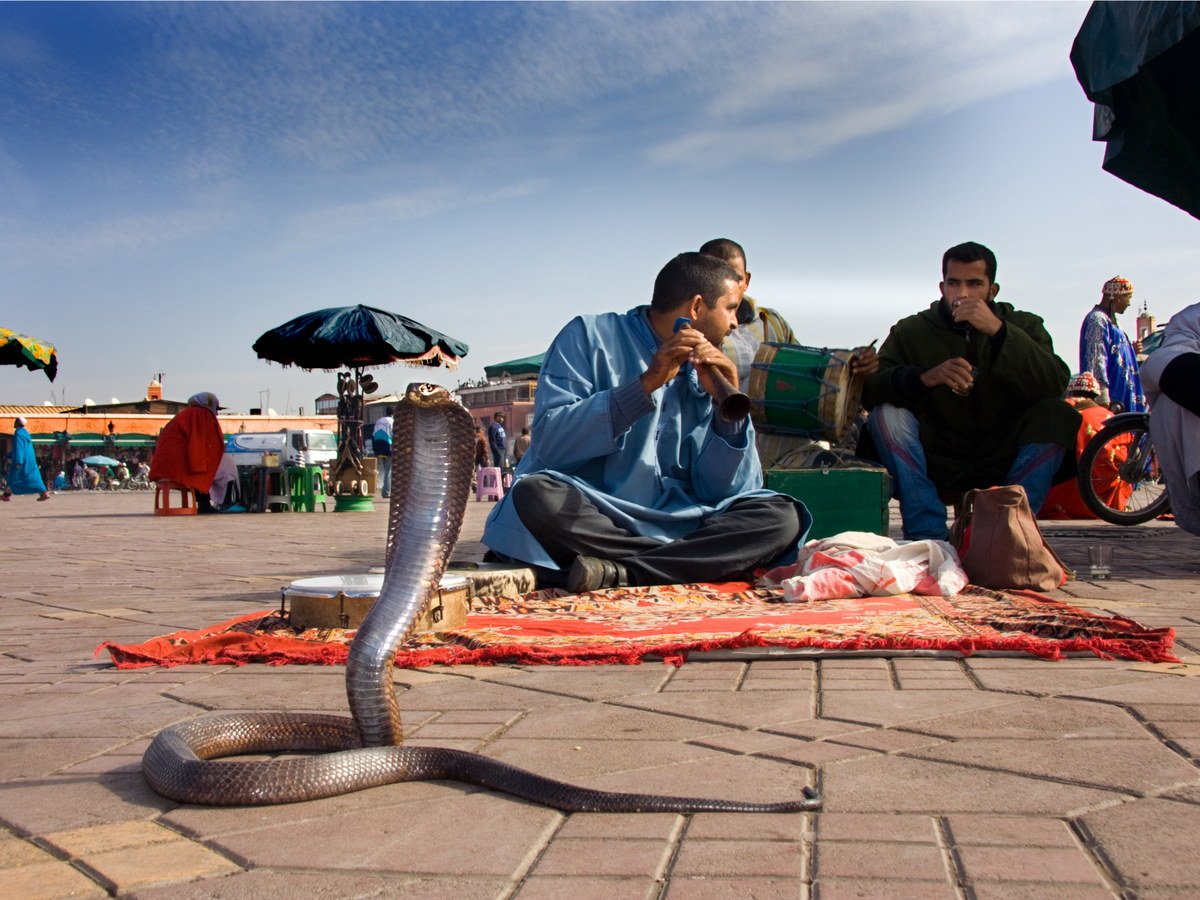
(627,625)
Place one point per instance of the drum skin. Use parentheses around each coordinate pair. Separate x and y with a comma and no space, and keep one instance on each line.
(343,601)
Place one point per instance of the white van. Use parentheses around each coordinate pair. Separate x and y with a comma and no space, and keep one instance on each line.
(296,447)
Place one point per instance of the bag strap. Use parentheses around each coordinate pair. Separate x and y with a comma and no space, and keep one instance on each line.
(962,521)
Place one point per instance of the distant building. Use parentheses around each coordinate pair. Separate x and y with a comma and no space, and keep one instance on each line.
(62,433)
(511,388)
(326,405)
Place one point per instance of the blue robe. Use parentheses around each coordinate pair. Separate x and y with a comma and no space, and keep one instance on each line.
(1106,352)
(658,466)
(24,477)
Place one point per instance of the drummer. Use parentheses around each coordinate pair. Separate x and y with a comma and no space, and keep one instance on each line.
(632,478)
(757,324)
(967,396)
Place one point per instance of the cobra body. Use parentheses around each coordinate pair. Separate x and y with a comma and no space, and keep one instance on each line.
(433,457)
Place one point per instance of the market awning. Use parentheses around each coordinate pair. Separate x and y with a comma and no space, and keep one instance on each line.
(526,365)
(136,440)
(93,439)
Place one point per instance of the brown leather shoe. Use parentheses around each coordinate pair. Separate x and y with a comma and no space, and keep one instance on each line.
(590,573)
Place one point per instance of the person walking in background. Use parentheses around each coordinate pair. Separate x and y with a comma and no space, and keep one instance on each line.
(1106,351)
(381,442)
(497,439)
(481,447)
(190,449)
(23,474)
(520,445)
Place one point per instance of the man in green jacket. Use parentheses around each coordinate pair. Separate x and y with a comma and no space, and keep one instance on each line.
(968,395)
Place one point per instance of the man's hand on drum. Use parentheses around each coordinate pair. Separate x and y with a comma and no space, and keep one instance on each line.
(864,362)
(956,374)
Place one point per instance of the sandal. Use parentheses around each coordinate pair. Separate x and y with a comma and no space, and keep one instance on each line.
(44,497)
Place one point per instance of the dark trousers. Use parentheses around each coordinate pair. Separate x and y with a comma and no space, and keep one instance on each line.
(727,546)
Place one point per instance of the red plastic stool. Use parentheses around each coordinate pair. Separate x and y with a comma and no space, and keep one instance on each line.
(162,499)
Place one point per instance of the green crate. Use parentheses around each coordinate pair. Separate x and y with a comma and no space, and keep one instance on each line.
(839,499)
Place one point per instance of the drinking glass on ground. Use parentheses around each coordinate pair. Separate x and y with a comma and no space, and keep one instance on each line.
(1099,562)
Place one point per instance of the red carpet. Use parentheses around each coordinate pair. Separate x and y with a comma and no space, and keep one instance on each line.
(626,625)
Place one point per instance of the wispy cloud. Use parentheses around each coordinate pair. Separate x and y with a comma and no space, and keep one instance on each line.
(330,87)
(288,105)
(340,222)
(120,236)
(856,70)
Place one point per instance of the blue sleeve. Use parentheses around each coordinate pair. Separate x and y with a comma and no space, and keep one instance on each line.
(728,463)
(579,415)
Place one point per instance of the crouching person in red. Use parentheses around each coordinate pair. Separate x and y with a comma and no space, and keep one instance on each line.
(1064,500)
(190,447)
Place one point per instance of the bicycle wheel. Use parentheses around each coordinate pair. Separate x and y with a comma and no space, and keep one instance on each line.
(1119,477)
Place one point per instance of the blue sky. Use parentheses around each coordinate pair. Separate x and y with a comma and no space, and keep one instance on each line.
(176,179)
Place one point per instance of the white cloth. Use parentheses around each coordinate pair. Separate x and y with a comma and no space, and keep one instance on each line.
(226,473)
(1175,430)
(860,564)
(207,400)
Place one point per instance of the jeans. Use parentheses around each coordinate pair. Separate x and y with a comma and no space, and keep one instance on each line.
(383,468)
(923,513)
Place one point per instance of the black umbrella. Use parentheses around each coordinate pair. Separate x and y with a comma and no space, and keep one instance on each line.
(1140,64)
(357,337)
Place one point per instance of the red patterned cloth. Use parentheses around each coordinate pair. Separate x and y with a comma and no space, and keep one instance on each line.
(627,625)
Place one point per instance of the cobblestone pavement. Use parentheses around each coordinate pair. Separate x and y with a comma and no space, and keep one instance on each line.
(984,777)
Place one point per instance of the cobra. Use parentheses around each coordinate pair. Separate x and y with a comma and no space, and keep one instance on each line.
(433,457)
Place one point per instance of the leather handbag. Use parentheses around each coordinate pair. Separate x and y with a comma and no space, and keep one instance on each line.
(1000,544)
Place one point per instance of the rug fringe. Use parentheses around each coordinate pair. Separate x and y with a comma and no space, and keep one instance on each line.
(233,643)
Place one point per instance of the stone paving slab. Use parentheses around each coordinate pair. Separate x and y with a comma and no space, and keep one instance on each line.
(977,778)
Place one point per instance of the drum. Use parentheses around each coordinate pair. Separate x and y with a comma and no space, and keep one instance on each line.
(803,390)
(342,601)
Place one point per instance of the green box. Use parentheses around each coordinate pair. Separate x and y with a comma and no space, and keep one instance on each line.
(839,499)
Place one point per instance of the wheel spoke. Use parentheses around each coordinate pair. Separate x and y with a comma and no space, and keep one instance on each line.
(1119,476)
